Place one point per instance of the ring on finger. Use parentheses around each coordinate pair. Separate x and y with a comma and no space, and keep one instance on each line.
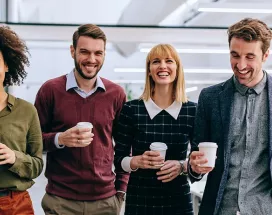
(77,140)
(150,163)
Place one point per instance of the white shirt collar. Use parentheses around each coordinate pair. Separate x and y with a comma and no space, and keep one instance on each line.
(154,110)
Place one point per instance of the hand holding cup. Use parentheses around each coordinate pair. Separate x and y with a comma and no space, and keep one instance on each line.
(78,136)
(159,147)
(148,160)
(203,161)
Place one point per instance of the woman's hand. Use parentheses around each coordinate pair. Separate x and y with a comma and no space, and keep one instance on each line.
(6,155)
(170,170)
(148,160)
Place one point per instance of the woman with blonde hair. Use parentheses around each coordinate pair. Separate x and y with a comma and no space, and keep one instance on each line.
(162,114)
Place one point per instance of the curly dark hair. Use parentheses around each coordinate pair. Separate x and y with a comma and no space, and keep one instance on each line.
(251,30)
(14,51)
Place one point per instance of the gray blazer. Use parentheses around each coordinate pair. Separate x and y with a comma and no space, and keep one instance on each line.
(212,124)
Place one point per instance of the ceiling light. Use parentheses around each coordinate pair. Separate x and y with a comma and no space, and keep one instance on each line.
(135,70)
(234,10)
(197,51)
(204,51)
(122,81)
(209,71)
(191,89)
(129,70)
(207,82)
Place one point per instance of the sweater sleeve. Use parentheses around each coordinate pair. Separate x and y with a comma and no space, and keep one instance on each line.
(29,165)
(123,140)
(44,105)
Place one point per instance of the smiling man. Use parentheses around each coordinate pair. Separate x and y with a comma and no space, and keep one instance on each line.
(237,115)
(79,160)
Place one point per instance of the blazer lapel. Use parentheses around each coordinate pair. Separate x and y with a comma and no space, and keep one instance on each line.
(226,102)
(269,84)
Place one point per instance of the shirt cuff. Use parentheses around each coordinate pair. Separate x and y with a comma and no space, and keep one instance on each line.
(57,142)
(194,174)
(126,164)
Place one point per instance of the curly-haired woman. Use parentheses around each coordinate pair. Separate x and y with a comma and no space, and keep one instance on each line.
(20,133)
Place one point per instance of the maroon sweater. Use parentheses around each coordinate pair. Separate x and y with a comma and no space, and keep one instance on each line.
(81,173)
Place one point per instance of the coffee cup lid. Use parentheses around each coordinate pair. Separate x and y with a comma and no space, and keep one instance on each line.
(158,146)
(208,144)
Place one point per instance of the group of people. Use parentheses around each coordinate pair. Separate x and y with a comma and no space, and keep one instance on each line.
(235,114)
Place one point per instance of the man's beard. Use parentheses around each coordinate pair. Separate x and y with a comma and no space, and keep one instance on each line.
(80,72)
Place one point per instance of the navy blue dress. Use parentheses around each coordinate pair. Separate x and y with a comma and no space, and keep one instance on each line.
(146,195)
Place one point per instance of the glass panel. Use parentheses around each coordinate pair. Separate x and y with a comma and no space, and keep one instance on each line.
(102,12)
(3,11)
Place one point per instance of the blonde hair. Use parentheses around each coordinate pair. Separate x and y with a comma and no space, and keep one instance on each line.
(164,51)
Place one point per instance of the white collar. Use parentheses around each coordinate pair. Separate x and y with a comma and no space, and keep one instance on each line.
(154,110)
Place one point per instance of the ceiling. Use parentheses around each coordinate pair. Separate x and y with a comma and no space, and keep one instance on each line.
(134,26)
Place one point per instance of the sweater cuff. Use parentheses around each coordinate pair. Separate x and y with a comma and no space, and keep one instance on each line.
(56,141)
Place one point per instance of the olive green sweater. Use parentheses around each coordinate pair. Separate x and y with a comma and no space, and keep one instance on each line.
(20,131)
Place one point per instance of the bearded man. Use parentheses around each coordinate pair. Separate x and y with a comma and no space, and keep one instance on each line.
(79,160)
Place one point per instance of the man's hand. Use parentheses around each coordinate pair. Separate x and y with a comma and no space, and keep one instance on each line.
(76,137)
(196,159)
(7,156)
(148,160)
(120,196)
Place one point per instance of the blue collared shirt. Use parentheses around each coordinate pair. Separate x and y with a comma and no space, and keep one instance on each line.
(72,84)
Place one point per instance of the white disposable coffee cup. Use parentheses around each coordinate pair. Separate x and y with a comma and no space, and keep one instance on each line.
(160,147)
(85,125)
(209,149)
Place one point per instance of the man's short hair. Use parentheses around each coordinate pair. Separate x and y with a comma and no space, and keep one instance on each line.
(88,30)
(251,30)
